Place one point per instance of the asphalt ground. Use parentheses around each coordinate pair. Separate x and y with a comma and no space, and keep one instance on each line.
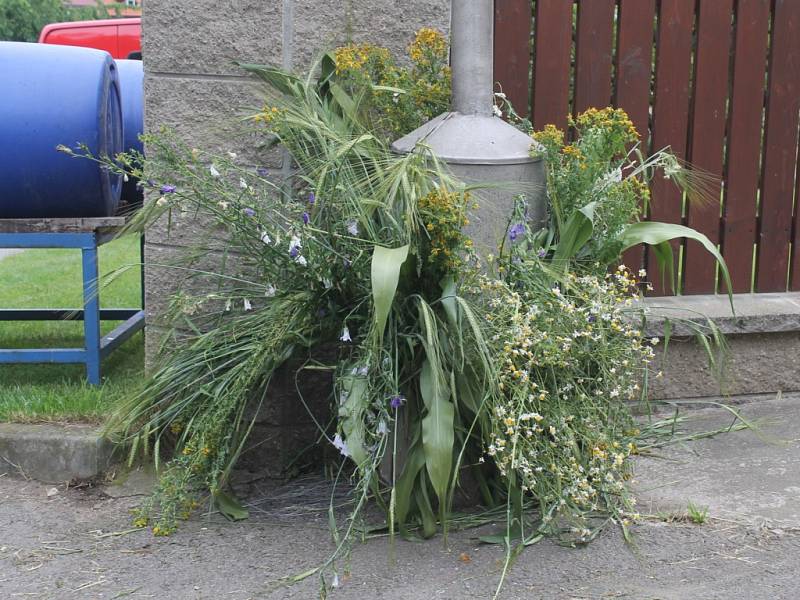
(78,542)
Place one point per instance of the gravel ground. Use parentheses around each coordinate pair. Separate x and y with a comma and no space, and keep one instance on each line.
(77,543)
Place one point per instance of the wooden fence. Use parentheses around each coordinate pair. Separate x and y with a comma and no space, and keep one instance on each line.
(716,80)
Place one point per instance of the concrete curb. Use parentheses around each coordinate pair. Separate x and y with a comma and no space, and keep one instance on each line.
(755,313)
(53,453)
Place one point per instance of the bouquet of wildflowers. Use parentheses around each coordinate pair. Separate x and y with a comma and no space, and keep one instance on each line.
(516,369)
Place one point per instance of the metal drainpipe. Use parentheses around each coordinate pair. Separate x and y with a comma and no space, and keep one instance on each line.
(471,53)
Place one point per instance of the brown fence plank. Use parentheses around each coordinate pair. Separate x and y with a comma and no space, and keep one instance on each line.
(794,275)
(780,150)
(593,54)
(633,78)
(512,51)
(670,115)
(707,136)
(744,140)
(750,163)
(634,62)
(551,70)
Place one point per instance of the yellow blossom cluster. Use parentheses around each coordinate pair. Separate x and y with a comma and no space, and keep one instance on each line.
(444,215)
(267,115)
(428,45)
(611,119)
(355,57)
(550,136)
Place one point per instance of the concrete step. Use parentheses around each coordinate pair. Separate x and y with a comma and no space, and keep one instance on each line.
(53,453)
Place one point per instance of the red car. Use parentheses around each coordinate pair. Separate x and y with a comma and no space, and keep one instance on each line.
(122,38)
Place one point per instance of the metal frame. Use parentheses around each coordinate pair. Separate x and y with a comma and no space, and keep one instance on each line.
(95,347)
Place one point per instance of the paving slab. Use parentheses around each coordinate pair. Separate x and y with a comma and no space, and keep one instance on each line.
(753,475)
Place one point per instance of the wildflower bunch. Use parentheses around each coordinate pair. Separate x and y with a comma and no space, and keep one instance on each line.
(601,176)
(520,378)
(594,169)
(397,98)
(569,358)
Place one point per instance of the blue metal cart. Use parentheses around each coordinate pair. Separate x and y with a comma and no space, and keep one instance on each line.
(86,235)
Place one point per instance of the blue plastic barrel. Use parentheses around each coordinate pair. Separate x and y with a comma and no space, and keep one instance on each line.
(51,95)
(131,88)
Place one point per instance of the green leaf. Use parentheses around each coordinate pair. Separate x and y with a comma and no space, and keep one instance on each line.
(425,510)
(327,70)
(386,263)
(438,435)
(654,233)
(351,417)
(388,88)
(667,334)
(665,259)
(405,484)
(343,99)
(448,286)
(575,234)
(230,506)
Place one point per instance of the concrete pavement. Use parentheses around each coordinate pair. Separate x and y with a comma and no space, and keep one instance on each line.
(78,543)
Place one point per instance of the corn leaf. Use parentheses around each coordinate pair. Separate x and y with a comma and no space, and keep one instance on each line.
(351,414)
(405,484)
(386,263)
(575,234)
(654,233)
(438,434)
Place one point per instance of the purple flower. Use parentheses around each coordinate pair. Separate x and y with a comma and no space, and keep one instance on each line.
(249,212)
(294,251)
(397,401)
(168,189)
(541,253)
(312,198)
(516,230)
(262,171)
(591,319)
(306,218)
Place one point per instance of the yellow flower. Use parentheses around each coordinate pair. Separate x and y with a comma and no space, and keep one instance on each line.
(428,43)
(140,522)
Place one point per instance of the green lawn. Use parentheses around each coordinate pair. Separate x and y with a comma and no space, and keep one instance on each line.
(52,279)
